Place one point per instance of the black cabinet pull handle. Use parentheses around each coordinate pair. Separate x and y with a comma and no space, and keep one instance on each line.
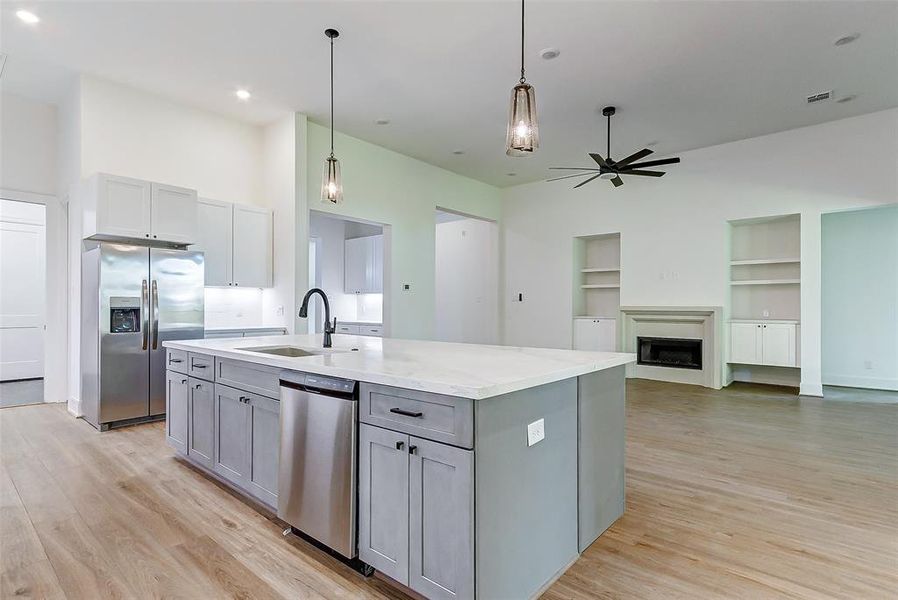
(412,449)
(244,399)
(183,381)
(399,445)
(406,413)
(198,386)
(175,360)
(199,366)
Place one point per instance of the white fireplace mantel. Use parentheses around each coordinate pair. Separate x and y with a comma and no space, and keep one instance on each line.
(664,321)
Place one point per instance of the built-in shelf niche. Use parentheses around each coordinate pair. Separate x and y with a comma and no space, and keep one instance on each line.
(765,268)
(596,278)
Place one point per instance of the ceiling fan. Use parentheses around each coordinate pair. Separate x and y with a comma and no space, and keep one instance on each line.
(612,169)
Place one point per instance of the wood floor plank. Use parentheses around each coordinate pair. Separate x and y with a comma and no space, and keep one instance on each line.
(748,492)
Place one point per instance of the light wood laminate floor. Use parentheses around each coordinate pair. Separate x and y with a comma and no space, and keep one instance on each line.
(747,492)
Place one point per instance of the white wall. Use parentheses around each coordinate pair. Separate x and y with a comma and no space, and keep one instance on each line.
(674,229)
(28,145)
(129,132)
(860,298)
(29,141)
(467,281)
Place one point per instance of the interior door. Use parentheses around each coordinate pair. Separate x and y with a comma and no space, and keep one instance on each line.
(22,284)
(176,310)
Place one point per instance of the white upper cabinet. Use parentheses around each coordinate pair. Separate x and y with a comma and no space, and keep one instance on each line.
(237,242)
(252,246)
(215,238)
(173,214)
(363,265)
(116,207)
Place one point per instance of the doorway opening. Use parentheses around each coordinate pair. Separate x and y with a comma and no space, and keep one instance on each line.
(466,279)
(347,261)
(23,265)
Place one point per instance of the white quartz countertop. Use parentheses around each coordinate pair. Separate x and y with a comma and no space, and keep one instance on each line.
(466,370)
(246,328)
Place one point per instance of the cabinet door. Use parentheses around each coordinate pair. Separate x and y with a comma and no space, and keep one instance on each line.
(383,501)
(231,455)
(376,285)
(596,335)
(778,346)
(252,246)
(215,234)
(263,440)
(745,343)
(176,410)
(123,206)
(441,520)
(355,262)
(201,423)
(173,215)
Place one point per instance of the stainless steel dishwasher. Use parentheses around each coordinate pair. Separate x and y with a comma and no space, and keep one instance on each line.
(317,472)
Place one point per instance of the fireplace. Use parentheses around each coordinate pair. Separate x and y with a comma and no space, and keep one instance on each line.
(678,353)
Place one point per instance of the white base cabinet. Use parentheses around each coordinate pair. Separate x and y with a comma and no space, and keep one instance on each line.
(595,334)
(763,343)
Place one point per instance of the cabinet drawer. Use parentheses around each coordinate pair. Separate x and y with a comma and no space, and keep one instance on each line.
(353,329)
(176,360)
(436,417)
(201,365)
(248,376)
(372,330)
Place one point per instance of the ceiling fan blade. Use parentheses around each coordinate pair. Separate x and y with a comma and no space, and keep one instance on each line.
(598,158)
(587,181)
(569,176)
(654,163)
(617,181)
(643,173)
(633,157)
(574,168)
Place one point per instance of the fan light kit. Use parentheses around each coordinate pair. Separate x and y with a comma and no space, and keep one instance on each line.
(27,16)
(612,170)
(522,134)
(331,183)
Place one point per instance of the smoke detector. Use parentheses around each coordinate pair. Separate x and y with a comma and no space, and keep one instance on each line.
(820,97)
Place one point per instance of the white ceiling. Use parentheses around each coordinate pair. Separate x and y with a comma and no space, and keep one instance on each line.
(683,74)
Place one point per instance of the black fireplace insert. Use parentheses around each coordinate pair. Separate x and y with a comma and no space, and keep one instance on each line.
(679,353)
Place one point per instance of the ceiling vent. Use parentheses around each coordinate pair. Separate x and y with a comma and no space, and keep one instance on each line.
(820,96)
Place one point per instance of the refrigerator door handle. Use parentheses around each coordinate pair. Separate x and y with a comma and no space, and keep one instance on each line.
(155,315)
(144,300)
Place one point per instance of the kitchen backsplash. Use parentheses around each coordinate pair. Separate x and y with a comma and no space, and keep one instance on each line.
(226,307)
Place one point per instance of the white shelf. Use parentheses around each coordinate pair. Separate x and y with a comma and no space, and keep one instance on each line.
(767,282)
(595,317)
(765,261)
(762,320)
(599,270)
(600,286)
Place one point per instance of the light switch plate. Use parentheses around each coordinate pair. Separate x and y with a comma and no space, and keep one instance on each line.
(536,432)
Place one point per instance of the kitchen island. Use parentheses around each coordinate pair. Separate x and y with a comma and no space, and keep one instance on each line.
(483,471)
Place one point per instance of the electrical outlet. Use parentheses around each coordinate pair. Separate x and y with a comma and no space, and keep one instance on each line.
(536,432)
(765,313)
(868,364)
(406,287)
(519,297)
(280,311)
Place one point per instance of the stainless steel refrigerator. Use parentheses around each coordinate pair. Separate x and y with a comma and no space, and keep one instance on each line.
(134,298)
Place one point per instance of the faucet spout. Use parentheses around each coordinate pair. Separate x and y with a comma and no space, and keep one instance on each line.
(328,327)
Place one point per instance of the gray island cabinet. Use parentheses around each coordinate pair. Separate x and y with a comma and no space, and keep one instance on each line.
(486,492)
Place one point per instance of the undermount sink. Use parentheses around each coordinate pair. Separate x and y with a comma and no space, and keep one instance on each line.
(289,351)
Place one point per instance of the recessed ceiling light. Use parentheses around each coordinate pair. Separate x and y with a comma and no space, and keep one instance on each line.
(847,39)
(243,94)
(549,53)
(382,121)
(27,17)
(847,98)
(458,152)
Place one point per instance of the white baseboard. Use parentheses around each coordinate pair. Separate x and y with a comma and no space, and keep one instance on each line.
(811,389)
(74,407)
(870,383)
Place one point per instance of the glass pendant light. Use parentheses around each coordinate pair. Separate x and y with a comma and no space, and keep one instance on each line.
(331,183)
(522,136)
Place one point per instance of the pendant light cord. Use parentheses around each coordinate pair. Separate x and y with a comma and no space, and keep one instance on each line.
(608,146)
(523,79)
(332,97)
